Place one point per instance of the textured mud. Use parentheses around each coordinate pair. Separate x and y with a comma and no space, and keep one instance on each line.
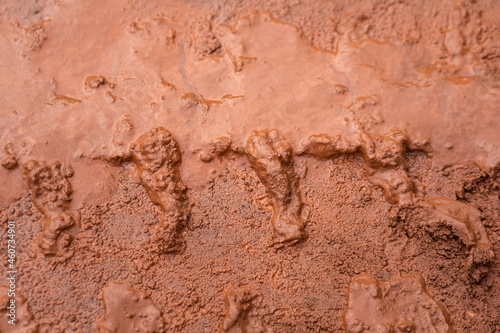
(251,166)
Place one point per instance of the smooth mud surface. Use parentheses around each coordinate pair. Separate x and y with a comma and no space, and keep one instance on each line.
(250,166)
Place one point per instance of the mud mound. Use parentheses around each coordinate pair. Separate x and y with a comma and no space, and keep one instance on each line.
(403,305)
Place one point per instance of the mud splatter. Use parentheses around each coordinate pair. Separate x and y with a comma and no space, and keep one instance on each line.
(386,165)
(216,148)
(93,82)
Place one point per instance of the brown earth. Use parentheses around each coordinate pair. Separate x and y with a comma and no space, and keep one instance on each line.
(251,166)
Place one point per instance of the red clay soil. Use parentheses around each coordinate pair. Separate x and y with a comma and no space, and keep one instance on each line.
(250,166)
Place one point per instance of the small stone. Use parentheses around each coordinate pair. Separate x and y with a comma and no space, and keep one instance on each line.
(339,89)
(206,157)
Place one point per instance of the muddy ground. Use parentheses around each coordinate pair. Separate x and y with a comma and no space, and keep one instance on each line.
(250,166)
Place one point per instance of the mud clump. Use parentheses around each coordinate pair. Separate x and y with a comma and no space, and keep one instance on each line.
(51,192)
(216,148)
(96,81)
(24,319)
(240,318)
(122,136)
(205,42)
(10,160)
(402,305)
(271,157)
(385,157)
(443,218)
(127,310)
(158,158)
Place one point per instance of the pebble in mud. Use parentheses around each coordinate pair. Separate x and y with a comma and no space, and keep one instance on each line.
(51,192)
(240,318)
(402,305)
(127,310)
(158,158)
(271,157)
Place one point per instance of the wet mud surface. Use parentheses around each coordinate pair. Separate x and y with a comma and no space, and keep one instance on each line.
(251,166)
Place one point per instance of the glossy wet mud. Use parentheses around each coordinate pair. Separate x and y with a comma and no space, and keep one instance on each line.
(265,166)
(403,305)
